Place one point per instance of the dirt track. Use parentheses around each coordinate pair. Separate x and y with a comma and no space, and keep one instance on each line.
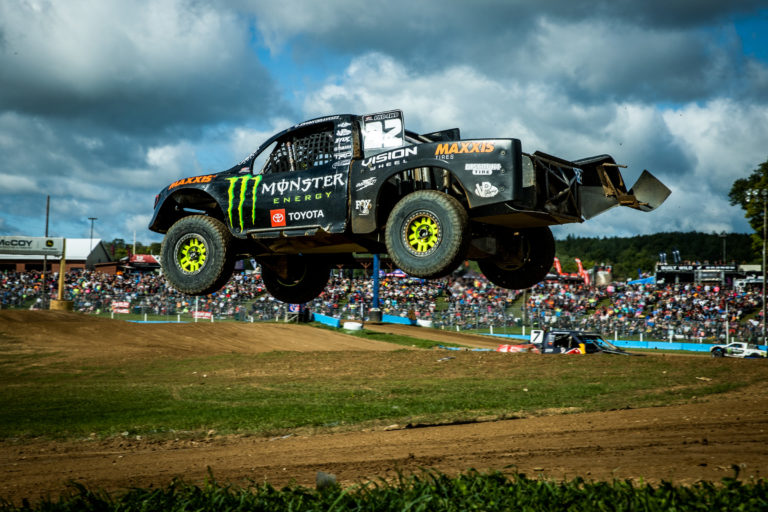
(698,440)
(73,336)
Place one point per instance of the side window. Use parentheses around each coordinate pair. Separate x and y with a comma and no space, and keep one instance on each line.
(313,150)
(591,347)
(259,163)
(562,340)
(281,159)
(302,150)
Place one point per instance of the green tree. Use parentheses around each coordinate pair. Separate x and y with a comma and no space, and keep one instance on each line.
(630,254)
(753,209)
(117,248)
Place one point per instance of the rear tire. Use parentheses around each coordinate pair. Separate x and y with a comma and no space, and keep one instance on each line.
(303,282)
(524,259)
(197,255)
(426,234)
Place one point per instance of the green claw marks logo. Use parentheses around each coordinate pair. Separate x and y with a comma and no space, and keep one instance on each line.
(243,184)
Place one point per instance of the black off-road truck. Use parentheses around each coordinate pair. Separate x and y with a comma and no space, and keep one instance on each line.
(315,194)
(566,341)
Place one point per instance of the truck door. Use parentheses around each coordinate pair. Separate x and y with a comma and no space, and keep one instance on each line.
(299,186)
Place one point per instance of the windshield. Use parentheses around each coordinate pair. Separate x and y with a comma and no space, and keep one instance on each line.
(258,163)
(597,339)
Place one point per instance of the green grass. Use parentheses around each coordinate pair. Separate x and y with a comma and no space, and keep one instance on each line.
(426,491)
(285,392)
(397,339)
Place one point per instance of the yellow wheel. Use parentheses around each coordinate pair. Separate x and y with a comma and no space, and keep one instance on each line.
(427,234)
(423,233)
(191,253)
(198,255)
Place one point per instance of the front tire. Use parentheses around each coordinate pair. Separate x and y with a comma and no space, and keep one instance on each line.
(303,280)
(426,234)
(718,352)
(197,255)
(524,259)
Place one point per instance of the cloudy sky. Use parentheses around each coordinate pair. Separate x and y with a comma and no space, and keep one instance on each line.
(104,103)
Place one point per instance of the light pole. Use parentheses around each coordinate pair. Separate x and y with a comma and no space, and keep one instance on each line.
(92,219)
(723,235)
(761,195)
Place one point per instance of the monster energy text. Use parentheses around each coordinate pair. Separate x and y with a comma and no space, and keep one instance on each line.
(303,184)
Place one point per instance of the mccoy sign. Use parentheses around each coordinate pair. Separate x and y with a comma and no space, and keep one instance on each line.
(31,245)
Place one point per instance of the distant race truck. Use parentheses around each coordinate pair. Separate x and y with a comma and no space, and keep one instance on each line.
(565,341)
(737,349)
(313,195)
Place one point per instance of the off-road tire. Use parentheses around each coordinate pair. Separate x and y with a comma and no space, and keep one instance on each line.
(305,280)
(718,352)
(535,255)
(426,234)
(197,255)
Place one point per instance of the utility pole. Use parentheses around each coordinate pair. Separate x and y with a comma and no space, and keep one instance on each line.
(761,195)
(92,219)
(45,258)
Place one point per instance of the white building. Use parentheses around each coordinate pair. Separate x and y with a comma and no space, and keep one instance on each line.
(80,253)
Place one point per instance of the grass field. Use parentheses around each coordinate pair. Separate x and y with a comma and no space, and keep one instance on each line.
(268,394)
(279,392)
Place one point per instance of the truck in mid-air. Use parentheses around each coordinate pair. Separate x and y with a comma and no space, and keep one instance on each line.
(313,195)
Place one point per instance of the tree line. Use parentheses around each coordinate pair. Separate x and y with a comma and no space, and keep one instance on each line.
(632,255)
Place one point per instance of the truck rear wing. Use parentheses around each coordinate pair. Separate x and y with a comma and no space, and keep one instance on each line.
(590,186)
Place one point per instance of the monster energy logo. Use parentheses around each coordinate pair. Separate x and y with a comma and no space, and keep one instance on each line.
(233,184)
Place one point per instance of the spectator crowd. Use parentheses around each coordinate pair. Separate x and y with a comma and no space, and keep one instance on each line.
(691,312)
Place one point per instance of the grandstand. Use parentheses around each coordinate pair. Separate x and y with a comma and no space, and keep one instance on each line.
(665,311)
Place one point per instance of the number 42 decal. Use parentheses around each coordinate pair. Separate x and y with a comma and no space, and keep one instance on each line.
(383,130)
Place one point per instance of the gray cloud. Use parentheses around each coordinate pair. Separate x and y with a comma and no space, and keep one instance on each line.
(134,68)
(646,51)
(662,13)
(102,104)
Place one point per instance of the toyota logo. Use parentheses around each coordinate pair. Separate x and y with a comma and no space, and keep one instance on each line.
(277,217)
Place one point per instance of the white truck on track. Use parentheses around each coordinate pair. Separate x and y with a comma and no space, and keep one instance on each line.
(737,349)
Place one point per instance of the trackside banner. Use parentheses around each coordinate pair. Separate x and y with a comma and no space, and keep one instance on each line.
(31,245)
